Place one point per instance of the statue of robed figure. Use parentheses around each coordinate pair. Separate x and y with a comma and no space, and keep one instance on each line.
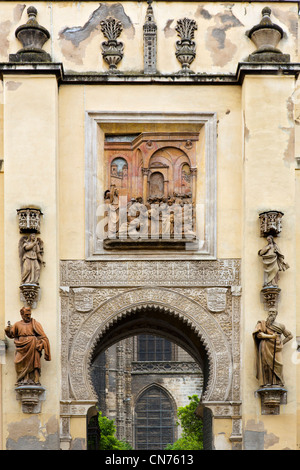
(269,338)
(30,340)
(273,262)
(31,250)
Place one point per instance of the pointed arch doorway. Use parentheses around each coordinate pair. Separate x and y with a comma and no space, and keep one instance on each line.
(176,317)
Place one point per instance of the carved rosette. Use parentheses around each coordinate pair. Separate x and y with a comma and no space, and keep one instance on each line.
(270,223)
(186,47)
(112,50)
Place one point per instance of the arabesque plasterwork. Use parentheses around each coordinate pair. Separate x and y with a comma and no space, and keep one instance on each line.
(95,295)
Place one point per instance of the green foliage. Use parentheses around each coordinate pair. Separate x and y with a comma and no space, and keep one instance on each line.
(108,441)
(192,427)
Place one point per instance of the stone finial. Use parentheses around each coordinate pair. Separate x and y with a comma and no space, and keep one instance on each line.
(33,37)
(266,35)
(186,48)
(112,50)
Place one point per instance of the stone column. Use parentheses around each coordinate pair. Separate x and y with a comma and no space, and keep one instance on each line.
(31,179)
(145,183)
(268,184)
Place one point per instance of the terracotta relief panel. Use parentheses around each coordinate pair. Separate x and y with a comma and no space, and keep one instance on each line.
(150,184)
(150,189)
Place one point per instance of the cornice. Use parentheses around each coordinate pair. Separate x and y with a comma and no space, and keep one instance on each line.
(94,78)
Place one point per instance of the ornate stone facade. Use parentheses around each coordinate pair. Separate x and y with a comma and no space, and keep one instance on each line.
(96,298)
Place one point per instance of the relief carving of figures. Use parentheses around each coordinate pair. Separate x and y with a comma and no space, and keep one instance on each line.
(269,338)
(159,217)
(30,340)
(273,262)
(151,189)
(31,250)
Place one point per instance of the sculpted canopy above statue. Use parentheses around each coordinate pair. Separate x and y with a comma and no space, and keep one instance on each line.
(151,189)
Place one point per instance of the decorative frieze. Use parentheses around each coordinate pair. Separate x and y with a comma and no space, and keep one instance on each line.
(216,273)
(164,367)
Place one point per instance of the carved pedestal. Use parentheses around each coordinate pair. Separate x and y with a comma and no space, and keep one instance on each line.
(270,223)
(271,399)
(270,296)
(30,294)
(31,397)
(29,220)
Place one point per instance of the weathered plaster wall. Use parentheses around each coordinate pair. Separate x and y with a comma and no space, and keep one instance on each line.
(225,101)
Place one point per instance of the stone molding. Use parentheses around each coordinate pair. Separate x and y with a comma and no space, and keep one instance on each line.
(237,78)
(164,367)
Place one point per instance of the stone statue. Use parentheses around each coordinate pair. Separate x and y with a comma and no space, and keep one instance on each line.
(30,340)
(268,347)
(31,250)
(273,262)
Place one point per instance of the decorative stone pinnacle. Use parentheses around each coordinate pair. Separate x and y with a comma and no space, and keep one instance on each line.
(150,40)
(266,35)
(33,37)
(32,13)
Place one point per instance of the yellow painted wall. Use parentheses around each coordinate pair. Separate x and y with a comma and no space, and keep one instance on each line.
(225,101)
(269,182)
(30,147)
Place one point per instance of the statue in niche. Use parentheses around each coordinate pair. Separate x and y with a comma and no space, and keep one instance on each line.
(268,349)
(31,251)
(273,262)
(30,340)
